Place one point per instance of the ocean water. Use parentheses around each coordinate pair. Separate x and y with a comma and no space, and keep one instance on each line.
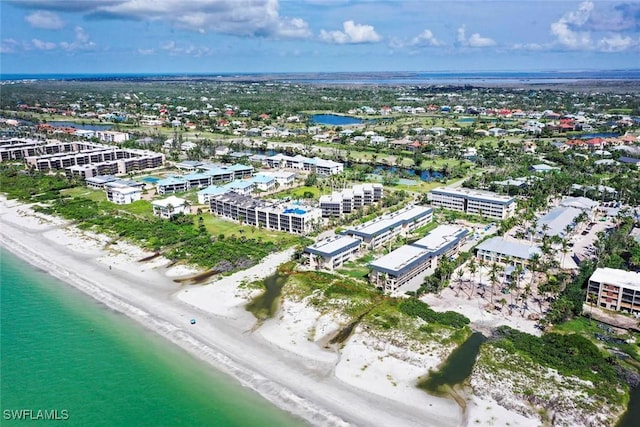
(63,353)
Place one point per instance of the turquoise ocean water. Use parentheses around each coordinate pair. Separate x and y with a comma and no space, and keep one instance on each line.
(61,351)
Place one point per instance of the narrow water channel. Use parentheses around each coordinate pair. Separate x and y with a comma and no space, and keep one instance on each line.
(266,304)
(456,368)
(632,416)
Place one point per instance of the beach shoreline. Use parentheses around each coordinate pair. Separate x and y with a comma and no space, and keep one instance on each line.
(310,383)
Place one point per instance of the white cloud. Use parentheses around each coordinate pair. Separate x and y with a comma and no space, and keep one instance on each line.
(45,20)
(235,17)
(426,38)
(353,33)
(9,46)
(197,51)
(566,29)
(529,46)
(476,40)
(462,38)
(616,43)
(571,30)
(81,42)
(42,45)
(146,51)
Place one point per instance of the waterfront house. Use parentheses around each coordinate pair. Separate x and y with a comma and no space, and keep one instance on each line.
(170,207)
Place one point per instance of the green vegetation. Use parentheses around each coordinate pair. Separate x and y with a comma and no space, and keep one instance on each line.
(29,186)
(416,308)
(203,243)
(569,354)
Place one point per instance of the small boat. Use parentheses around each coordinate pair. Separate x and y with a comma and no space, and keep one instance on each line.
(193,321)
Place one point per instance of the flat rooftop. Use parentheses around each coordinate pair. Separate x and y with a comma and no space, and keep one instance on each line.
(387,221)
(613,276)
(509,248)
(441,237)
(333,246)
(401,260)
(469,193)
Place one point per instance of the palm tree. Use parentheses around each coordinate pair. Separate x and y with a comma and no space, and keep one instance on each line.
(481,265)
(493,278)
(473,268)
(460,275)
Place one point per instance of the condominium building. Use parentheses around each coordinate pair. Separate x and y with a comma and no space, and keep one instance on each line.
(123,195)
(615,289)
(332,253)
(381,230)
(69,156)
(282,216)
(412,263)
(172,184)
(349,199)
(443,241)
(474,202)
(400,266)
(498,249)
(170,207)
(316,164)
(112,137)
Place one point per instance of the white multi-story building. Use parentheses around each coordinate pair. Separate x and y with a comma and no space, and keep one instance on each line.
(123,195)
(316,164)
(412,263)
(170,207)
(347,200)
(112,137)
(615,289)
(281,216)
(379,231)
(400,267)
(476,202)
(498,249)
(332,253)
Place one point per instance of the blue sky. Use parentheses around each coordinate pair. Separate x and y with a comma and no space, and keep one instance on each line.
(228,36)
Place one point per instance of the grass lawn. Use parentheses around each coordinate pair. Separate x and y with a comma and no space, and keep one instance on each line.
(141,208)
(87,193)
(579,325)
(217,226)
(298,193)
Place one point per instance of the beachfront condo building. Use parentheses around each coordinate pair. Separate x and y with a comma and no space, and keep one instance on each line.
(410,264)
(498,249)
(350,199)
(615,289)
(76,157)
(332,253)
(475,202)
(400,266)
(123,195)
(281,216)
(170,207)
(383,229)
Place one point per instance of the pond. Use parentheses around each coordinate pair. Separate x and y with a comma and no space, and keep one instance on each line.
(457,367)
(631,417)
(599,135)
(336,120)
(266,304)
(80,125)
(425,175)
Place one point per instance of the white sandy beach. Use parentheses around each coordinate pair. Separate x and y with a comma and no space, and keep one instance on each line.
(368,382)
(302,382)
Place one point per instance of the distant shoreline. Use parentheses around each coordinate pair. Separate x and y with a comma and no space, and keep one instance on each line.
(616,81)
